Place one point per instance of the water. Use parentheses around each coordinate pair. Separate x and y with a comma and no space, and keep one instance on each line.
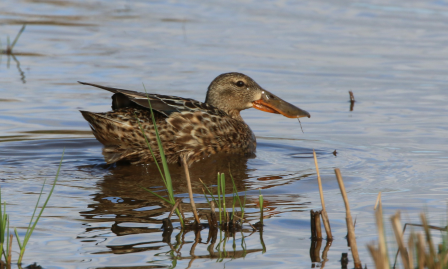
(392,55)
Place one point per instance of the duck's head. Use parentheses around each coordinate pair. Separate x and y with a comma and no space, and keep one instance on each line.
(233,92)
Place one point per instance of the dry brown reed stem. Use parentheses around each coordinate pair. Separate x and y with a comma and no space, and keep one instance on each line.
(378,201)
(432,251)
(190,190)
(174,208)
(396,225)
(312,224)
(9,251)
(213,218)
(318,226)
(316,230)
(384,258)
(375,253)
(411,250)
(324,215)
(421,251)
(350,227)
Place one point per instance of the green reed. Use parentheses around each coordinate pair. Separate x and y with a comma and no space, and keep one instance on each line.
(33,222)
(166,176)
(6,237)
(4,232)
(220,199)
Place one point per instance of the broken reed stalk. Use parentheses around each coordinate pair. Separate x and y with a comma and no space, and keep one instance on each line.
(383,261)
(313,225)
(411,250)
(316,230)
(396,225)
(318,226)
(352,100)
(324,215)
(432,251)
(352,97)
(174,207)
(190,190)
(213,219)
(350,227)
(10,250)
(421,249)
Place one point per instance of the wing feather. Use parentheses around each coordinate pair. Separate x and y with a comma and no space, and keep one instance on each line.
(164,104)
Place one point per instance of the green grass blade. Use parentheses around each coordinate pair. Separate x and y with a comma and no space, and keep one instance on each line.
(233,205)
(31,230)
(155,194)
(223,193)
(162,152)
(211,194)
(150,149)
(35,209)
(18,238)
(235,191)
(208,201)
(166,176)
(18,35)
(3,219)
(7,242)
(219,198)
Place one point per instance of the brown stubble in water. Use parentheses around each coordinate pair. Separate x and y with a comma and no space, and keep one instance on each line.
(324,214)
(352,100)
(349,220)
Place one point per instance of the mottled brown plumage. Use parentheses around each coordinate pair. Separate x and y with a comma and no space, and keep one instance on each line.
(187,128)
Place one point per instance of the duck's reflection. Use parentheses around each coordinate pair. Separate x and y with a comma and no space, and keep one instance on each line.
(122,198)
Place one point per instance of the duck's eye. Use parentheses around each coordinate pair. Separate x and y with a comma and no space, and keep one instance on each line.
(240,84)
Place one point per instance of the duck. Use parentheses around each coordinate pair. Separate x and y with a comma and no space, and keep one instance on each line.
(187,128)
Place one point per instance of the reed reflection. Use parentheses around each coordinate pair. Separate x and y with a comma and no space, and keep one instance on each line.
(122,199)
(220,245)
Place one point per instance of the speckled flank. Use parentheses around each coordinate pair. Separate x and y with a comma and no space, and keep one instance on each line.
(193,134)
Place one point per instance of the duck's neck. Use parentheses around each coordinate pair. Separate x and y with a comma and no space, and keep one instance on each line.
(235,114)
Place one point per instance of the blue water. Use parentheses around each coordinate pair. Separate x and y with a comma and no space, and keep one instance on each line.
(392,55)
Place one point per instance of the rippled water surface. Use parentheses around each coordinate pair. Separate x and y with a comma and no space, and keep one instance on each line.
(391,54)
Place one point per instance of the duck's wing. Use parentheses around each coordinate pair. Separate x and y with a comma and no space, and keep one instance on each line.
(164,104)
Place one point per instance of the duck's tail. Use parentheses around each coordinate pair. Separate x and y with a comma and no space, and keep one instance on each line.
(107,130)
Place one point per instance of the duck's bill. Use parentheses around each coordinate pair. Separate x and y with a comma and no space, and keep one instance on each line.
(273,104)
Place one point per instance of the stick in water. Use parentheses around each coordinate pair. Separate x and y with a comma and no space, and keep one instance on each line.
(324,215)
(190,190)
(350,227)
